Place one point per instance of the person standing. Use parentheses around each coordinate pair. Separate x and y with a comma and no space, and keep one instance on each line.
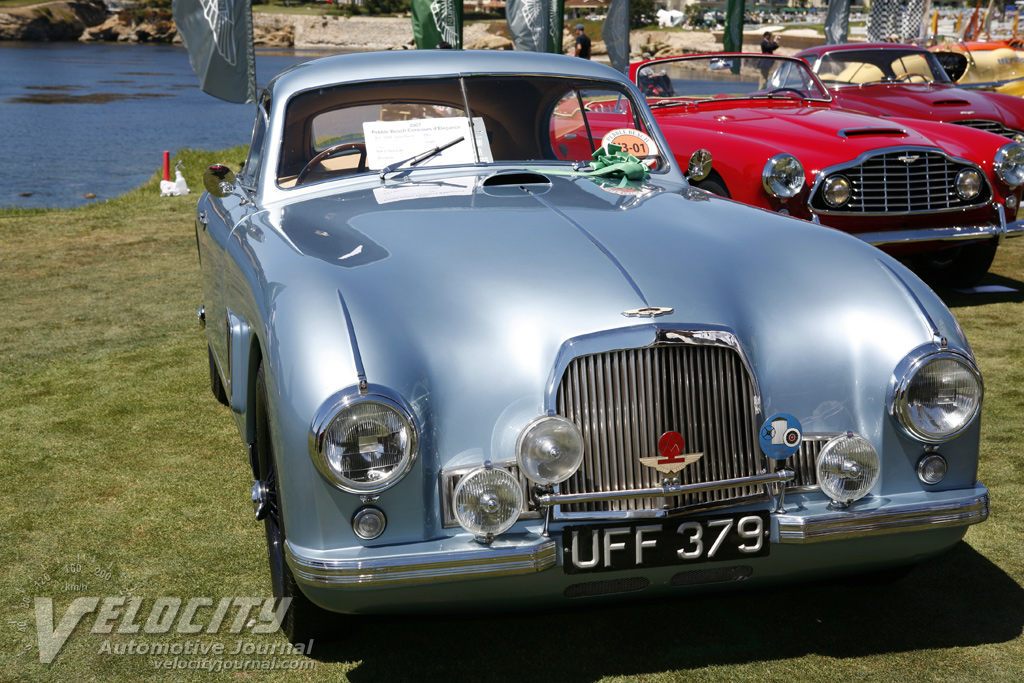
(769,44)
(582,43)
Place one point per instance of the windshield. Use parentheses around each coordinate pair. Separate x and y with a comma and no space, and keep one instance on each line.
(727,77)
(368,127)
(860,67)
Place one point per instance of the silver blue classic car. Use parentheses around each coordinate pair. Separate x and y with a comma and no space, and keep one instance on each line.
(488,348)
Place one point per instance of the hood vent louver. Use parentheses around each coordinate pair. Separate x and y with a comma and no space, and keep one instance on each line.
(877,132)
(951,103)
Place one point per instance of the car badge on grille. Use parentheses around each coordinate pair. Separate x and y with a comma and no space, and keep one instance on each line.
(648,312)
(672,459)
(909,159)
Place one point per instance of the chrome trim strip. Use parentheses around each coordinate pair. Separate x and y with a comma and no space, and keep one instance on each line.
(853,524)
(662,491)
(437,566)
(951,234)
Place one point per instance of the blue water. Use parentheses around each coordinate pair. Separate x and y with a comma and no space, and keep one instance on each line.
(88,118)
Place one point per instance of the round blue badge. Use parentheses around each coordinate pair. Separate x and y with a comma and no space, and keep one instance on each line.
(780,436)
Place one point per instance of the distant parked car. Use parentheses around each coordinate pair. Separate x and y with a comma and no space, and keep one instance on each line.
(885,79)
(996,65)
(481,357)
(940,196)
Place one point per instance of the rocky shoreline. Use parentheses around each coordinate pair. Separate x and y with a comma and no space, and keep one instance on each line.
(94,21)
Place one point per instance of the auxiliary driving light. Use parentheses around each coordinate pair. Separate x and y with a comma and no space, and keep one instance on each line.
(550,449)
(837,191)
(847,468)
(487,501)
(968,183)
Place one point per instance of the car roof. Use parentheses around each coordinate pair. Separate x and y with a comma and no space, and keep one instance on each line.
(366,66)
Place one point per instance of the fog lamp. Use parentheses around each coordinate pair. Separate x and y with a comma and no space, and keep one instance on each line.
(931,469)
(550,449)
(487,501)
(369,523)
(968,183)
(837,191)
(783,176)
(847,468)
(1011,202)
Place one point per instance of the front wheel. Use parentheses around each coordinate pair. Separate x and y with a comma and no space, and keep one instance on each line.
(714,186)
(302,620)
(957,267)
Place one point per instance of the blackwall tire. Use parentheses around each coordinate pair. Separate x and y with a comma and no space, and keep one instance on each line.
(303,621)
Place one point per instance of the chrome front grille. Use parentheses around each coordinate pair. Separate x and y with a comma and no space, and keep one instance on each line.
(990,126)
(623,401)
(903,181)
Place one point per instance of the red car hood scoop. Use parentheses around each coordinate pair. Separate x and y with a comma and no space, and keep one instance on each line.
(951,103)
(872,132)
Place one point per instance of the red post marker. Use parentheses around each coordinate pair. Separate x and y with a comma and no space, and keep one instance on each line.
(167,165)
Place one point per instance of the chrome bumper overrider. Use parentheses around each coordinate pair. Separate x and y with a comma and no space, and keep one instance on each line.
(826,525)
(438,564)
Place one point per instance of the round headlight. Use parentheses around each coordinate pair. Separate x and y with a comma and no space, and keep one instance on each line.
(938,397)
(783,176)
(837,191)
(550,449)
(364,445)
(968,183)
(487,501)
(1009,163)
(847,468)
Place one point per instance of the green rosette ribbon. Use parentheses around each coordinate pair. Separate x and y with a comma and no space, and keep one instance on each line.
(611,162)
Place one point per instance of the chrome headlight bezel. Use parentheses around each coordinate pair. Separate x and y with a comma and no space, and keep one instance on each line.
(783,176)
(902,403)
(1009,164)
(343,405)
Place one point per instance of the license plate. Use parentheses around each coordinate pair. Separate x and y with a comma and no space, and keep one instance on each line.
(637,545)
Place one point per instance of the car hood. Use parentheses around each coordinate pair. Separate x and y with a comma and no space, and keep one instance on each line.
(820,137)
(936,102)
(464,297)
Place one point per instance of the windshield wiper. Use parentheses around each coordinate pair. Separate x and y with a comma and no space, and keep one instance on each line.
(420,158)
(673,103)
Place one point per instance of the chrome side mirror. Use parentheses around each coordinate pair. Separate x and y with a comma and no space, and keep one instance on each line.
(219,180)
(700,165)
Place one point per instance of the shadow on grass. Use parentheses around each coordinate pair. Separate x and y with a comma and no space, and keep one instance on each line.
(956,299)
(929,609)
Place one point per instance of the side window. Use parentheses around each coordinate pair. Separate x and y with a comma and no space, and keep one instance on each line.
(254,161)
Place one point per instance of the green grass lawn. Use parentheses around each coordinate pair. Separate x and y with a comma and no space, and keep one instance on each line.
(122,476)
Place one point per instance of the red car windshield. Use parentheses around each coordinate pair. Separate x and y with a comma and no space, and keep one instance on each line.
(862,67)
(724,77)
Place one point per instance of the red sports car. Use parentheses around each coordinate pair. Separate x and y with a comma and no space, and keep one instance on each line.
(763,130)
(884,79)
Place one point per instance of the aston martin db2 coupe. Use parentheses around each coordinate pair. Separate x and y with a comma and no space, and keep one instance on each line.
(940,196)
(489,349)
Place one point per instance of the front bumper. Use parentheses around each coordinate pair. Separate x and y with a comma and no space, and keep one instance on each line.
(1003,230)
(806,520)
